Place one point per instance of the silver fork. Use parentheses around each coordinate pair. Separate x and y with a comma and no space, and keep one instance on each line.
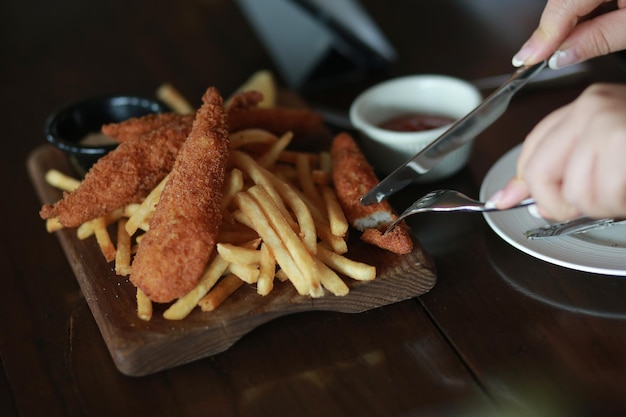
(450,200)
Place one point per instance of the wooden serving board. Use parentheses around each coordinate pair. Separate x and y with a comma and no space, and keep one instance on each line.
(143,347)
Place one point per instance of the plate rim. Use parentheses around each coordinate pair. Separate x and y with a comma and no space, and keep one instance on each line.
(577,251)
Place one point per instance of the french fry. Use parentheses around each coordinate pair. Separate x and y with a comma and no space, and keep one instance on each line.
(173,98)
(260,176)
(292,242)
(123,252)
(145,208)
(303,165)
(246,137)
(336,217)
(301,211)
(263,82)
(53,224)
(251,209)
(320,177)
(233,183)
(239,254)
(184,305)
(144,306)
(270,157)
(325,162)
(87,229)
(352,269)
(218,294)
(330,280)
(267,270)
(281,275)
(61,181)
(245,272)
(322,226)
(104,239)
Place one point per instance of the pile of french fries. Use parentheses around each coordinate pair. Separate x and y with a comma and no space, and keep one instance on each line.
(281,220)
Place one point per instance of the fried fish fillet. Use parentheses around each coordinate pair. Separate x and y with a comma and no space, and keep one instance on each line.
(183,230)
(125,175)
(138,126)
(353,176)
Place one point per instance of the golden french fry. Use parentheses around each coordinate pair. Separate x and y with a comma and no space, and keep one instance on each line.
(303,166)
(325,162)
(295,247)
(336,217)
(144,306)
(239,254)
(61,181)
(104,239)
(123,252)
(184,305)
(260,176)
(263,82)
(301,211)
(348,267)
(87,229)
(245,272)
(330,280)
(233,183)
(168,94)
(281,275)
(320,177)
(145,208)
(291,157)
(251,209)
(218,294)
(53,224)
(270,157)
(267,270)
(246,137)
(337,243)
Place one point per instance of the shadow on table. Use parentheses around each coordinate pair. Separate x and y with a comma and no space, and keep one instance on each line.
(567,289)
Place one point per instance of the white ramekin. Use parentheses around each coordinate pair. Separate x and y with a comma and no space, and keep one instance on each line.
(430,94)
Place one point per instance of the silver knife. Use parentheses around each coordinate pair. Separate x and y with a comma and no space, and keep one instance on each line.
(581,224)
(460,133)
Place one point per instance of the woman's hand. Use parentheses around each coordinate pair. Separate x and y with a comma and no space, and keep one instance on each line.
(574,161)
(572,31)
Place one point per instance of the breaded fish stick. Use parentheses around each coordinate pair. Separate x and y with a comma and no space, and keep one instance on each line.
(125,175)
(138,126)
(183,230)
(353,176)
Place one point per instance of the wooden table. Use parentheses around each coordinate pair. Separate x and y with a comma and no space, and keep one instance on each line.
(501,333)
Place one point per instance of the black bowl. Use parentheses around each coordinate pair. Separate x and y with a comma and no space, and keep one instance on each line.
(67,128)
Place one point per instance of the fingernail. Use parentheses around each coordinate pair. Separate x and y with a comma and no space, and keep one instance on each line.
(492,202)
(562,58)
(534,211)
(522,55)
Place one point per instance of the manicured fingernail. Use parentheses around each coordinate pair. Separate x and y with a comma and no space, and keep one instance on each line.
(493,200)
(534,211)
(562,58)
(522,55)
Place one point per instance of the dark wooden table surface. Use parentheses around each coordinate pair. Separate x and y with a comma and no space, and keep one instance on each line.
(501,333)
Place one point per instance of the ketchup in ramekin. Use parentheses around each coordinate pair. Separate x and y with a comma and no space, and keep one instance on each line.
(415,122)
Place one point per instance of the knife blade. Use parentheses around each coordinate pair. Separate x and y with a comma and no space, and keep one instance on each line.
(581,224)
(460,133)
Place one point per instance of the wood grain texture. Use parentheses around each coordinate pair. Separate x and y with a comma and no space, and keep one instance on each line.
(140,348)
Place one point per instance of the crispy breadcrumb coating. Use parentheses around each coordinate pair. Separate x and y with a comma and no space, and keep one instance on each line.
(353,176)
(123,176)
(183,230)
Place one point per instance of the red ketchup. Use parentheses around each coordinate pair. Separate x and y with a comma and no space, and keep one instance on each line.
(415,122)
